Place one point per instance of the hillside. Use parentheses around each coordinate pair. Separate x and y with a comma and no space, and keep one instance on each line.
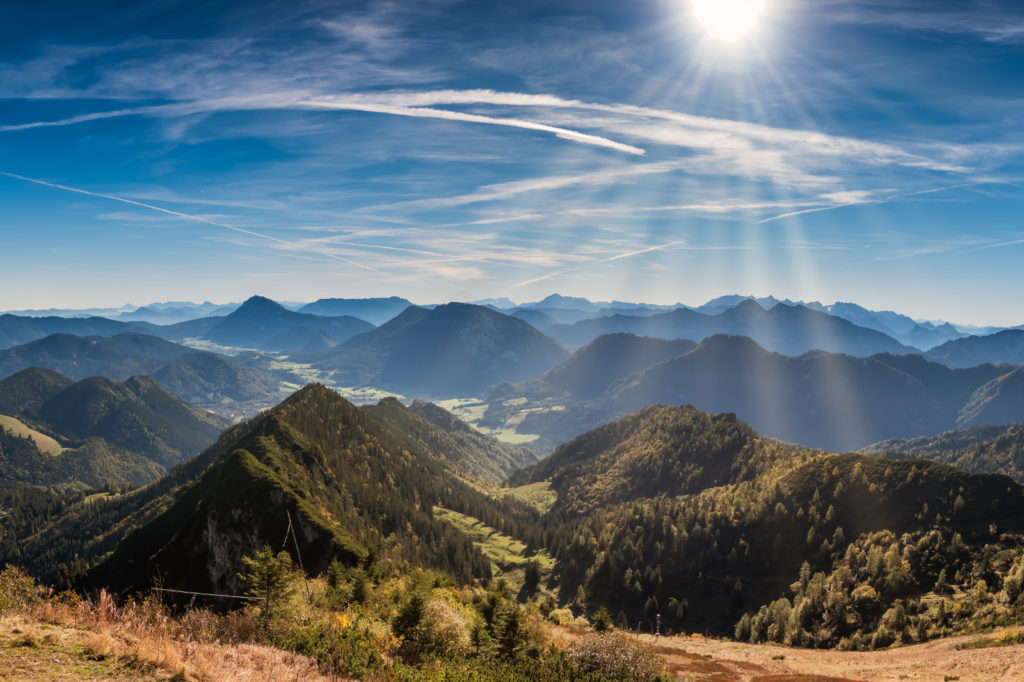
(346,481)
(1000,401)
(658,451)
(455,349)
(668,511)
(981,449)
(226,385)
(17,330)
(787,531)
(467,453)
(787,329)
(536,318)
(265,325)
(357,480)
(1005,346)
(26,390)
(136,415)
(207,379)
(78,357)
(591,370)
(91,465)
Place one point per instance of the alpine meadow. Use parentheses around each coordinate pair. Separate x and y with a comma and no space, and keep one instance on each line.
(461,341)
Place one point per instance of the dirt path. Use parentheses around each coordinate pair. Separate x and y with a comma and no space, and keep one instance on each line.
(711,660)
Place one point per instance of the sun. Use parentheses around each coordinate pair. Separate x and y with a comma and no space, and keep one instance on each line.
(728,20)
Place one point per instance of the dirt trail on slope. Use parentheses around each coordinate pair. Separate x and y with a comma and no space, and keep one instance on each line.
(702,659)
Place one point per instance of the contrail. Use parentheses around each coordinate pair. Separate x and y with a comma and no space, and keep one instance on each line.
(445,114)
(336,103)
(186,216)
(628,254)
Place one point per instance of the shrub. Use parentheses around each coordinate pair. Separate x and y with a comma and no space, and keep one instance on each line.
(430,626)
(601,620)
(615,655)
(561,617)
(342,652)
(17,589)
(444,629)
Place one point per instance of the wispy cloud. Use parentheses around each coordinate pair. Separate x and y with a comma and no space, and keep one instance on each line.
(178,214)
(515,188)
(620,256)
(993,21)
(444,114)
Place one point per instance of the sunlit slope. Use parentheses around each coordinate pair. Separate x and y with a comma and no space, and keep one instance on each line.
(698,518)
(983,449)
(827,400)
(351,484)
(95,432)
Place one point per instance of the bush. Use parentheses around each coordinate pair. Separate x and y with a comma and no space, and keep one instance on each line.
(433,626)
(343,652)
(561,617)
(615,655)
(17,589)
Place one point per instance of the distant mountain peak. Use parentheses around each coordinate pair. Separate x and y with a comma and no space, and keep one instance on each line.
(260,304)
(749,305)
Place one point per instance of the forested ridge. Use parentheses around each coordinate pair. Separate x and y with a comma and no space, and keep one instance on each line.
(668,512)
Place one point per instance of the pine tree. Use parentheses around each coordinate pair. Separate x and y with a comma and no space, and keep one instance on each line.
(268,577)
(601,621)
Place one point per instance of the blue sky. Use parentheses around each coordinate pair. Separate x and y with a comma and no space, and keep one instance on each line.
(440,150)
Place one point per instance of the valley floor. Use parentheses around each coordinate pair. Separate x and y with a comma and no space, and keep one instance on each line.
(701,659)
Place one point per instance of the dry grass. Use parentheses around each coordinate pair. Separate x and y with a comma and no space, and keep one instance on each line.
(45,443)
(701,659)
(140,640)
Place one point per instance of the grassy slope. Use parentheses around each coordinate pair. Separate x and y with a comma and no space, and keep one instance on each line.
(43,442)
(505,552)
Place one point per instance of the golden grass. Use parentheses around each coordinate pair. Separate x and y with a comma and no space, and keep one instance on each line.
(140,640)
(45,443)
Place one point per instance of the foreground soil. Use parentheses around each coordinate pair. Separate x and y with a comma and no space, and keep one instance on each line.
(711,660)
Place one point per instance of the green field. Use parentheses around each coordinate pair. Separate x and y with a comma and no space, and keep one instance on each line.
(203,344)
(538,495)
(361,395)
(468,410)
(506,553)
(42,441)
(472,411)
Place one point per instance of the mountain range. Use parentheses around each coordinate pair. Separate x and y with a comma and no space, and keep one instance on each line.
(454,349)
(353,482)
(1004,346)
(109,432)
(376,311)
(791,330)
(670,511)
(827,400)
(262,324)
(208,380)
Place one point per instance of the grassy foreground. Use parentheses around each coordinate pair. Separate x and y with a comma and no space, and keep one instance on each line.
(332,635)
